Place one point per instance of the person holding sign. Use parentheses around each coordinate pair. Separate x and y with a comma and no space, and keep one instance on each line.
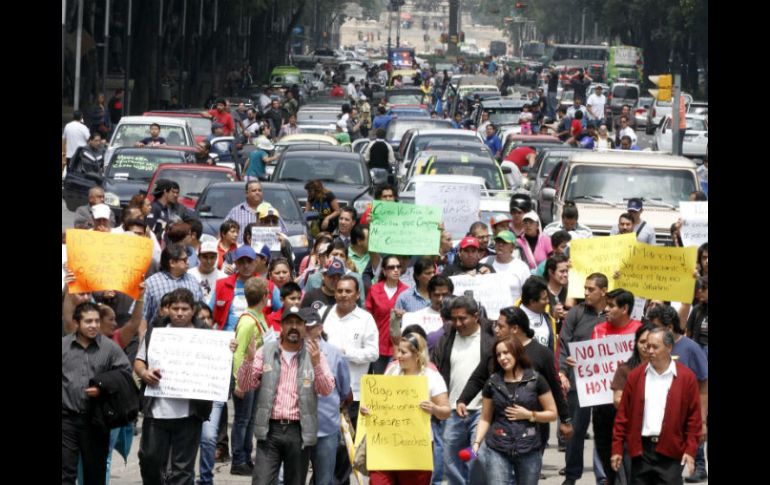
(469,259)
(291,374)
(515,398)
(535,246)
(659,417)
(645,233)
(411,355)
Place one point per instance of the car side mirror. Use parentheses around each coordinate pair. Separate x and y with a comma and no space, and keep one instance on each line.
(549,193)
(205,211)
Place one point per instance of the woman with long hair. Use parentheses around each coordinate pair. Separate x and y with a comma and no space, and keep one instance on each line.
(279,271)
(516,398)
(322,200)
(380,302)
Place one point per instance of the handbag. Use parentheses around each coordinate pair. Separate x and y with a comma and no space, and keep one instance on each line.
(359,462)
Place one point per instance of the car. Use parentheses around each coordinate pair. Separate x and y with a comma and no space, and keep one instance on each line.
(620,94)
(598,184)
(218,198)
(345,174)
(201,126)
(453,163)
(192,179)
(359,75)
(660,109)
(640,113)
(407,96)
(320,129)
(128,174)
(283,76)
(315,116)
(501,111)
(303,139)
(401,125)
(513,140)
(544,163)
(409,110)
(696,137)
(699,108)
(132,129)
(415,140)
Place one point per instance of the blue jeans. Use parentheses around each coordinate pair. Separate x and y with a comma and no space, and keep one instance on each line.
(551,105)
(504,469)
(242,434)
(438,451)
(458,434)
(323,457)
(209,443)
(581,418)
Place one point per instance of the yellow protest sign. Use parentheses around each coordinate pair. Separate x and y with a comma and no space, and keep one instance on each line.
(397,430)
(104,261)
(653,272)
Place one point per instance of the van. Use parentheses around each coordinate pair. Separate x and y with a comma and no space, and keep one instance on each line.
(600,184)
(285,76)
(131,129)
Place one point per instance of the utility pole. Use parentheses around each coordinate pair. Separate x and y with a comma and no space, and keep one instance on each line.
(454,7)
(583,28)
(676,140)
(126,84)
(78,44)
(184,48)
(106,44)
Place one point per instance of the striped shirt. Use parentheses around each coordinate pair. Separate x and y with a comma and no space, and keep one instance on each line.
(286,404)
(245,215)
(161,283)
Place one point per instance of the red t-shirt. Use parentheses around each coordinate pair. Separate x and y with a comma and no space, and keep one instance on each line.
(576,128)
(606,329)
(519,156)
(337,92)
(224,118)
(274,320)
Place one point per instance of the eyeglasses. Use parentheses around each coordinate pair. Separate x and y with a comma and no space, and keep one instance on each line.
(391,267)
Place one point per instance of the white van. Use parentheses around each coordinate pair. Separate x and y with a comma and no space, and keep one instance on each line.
(131,129)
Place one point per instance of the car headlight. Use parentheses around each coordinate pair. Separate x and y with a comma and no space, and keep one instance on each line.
(298,241)
(111,199)
(361,205)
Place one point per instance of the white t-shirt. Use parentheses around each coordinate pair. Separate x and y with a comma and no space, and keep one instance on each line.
(76,135)
(466,355)
(390,291)
(596,106)
(539,323)
(208,282)
(357,337)
(165,407)
(515,273)
(627,131)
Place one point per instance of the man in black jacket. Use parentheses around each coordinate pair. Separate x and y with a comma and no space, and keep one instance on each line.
(469,342)
(468,259)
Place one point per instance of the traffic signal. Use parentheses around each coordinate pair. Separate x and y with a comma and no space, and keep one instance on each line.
(663,82)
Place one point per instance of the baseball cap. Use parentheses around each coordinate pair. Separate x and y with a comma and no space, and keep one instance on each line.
(293,311)
(208,247)
(469,241)
(100,211)
(262,250)
(245,251)
(265,209)
(500,219)
(634,205)
(335,267)
(531,215)
(311,316)
(506,236)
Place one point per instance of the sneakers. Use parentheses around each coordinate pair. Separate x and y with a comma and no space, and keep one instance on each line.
(697,477)
(241,469)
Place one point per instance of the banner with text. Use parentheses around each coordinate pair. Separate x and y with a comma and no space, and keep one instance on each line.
(597,362)
(267,236)
(652,272)
(105,261)
(406,229)
(491,290)
(429,322)
(695,222)
(460,203)
(397,430)
(193,363)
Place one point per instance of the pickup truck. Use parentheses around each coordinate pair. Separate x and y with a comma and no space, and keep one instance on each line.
(324,56)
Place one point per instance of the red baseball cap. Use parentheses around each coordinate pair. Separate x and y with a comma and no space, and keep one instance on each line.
(469,241)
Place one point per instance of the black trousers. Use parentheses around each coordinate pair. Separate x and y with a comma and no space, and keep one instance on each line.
(222,440)
(79,438)
(604,419)
(283,445)
(652,468)
(162,440)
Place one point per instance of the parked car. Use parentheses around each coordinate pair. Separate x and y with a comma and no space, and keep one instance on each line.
(132,129)
(696,136)
(218,198)
(660,109)
(192,179)
(598,184)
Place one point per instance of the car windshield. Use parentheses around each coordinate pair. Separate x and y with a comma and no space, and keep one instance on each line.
(222,199)
(397,128)
(200,126)
(422,141)
(298,169)
(192,182)
(130,166)
(612,184)
(129,134)
(625,92)
(504,116)
(490,173)
(405,99)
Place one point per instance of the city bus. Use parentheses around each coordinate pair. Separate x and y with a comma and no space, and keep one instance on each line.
(625,63)
(573,55)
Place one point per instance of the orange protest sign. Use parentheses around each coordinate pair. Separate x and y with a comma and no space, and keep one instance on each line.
(104,261)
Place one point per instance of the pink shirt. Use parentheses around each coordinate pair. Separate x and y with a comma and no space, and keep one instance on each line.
(606,329)
(286,404)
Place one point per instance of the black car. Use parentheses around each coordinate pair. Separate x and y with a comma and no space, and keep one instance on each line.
(217,199)
(129,172)
(344,173)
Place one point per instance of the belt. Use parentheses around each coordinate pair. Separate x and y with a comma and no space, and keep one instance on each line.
(285,421)
(651,439)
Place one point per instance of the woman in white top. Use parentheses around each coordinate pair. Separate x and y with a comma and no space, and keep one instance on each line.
(412,360)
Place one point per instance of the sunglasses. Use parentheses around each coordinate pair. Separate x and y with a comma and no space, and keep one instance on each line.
(391,267)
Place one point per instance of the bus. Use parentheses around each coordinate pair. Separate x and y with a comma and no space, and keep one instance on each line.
(573,55)
(625,63)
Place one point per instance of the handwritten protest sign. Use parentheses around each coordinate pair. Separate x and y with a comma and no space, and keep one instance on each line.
(460,203)
(407,229)
(597,361)
(397,430)
(267,236)
(652,272)
(430,322)
(638,311)
(491,290)
(104,261)
(193,363)
(695,222)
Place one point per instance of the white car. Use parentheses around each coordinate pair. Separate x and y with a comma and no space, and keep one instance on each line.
(131,129)
(696,137)
(661,109)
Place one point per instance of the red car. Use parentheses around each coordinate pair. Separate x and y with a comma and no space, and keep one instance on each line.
(192,179)
(201,127)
